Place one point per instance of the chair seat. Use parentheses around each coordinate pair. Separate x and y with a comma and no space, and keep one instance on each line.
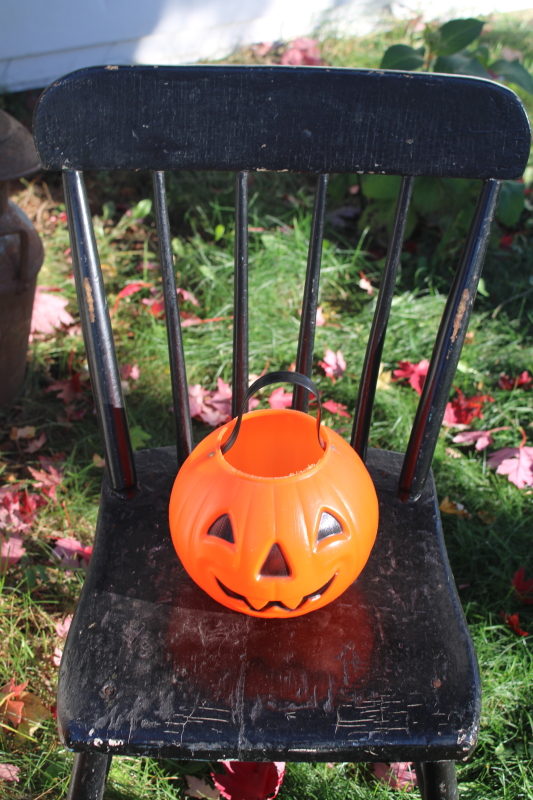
(154,666)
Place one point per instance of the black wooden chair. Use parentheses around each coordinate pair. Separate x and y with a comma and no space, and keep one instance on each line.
(152,665)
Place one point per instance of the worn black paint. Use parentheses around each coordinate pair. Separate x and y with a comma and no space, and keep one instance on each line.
(89,774)
(448,346)
(98,337)
(314,119)
(437,780)
(385,672)
(239,381)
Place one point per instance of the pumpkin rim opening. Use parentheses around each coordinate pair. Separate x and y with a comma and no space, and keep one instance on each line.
(261,450)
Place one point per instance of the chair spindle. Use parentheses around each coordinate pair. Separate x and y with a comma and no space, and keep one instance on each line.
(306,340)
(240,306)
(448,345)
(374,350)
(178,374)
(98,336)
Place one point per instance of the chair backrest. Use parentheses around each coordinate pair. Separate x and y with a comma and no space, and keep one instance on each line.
(302,119)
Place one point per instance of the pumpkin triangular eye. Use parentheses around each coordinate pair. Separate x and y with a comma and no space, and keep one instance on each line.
(275,565)
(221,528)
(329,526)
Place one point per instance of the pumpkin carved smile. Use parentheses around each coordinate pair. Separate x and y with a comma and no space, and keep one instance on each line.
(277,603)
(278,520)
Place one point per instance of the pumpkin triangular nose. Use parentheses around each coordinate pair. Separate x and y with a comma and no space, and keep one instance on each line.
(275,565)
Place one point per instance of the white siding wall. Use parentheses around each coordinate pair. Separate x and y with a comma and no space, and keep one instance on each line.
(42,40)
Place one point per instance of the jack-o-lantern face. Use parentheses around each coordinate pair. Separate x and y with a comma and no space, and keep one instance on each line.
(278,526)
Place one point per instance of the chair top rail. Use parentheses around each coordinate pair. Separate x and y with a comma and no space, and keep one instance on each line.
(298,119)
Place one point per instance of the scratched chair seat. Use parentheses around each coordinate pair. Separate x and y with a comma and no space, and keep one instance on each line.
(385,672)
(152,665)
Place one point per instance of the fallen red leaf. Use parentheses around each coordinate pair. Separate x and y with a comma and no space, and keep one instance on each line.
(320,318)
(69,389)
(9,772)
(63,626)
(130,371)
(302,51)
(35,444)
(336,408)
(520,381)
(187,296)
(250,780)
(12,704)
(280,398)
(128,290)
(29,504)
(11,550)
(481,439)
(155,305)
(462,410)
(56,460)
(18,509)
(398,775)
(72,554)
(333,364)
(219,402)
(513,621)
(187,319)
(516,463)
(48,480)
(21,709)
(49,311)
(523,588)
(365,284)
(213,407)
(197,394)
(10,515)
(414,373)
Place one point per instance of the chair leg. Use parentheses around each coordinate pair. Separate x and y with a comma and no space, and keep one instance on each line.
(439,781)
(420,778)
(89,774)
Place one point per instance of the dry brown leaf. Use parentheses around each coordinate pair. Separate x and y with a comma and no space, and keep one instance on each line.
(453,453)
(22,433)
(451,507)
(486,517)
(384,379)
(34,714)
(98,461)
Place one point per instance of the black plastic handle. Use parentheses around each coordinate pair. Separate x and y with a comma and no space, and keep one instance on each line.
(282,376)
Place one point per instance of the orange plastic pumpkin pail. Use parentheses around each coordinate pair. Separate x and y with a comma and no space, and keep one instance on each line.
(274,514)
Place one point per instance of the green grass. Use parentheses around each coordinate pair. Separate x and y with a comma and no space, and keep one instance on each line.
(36,594)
